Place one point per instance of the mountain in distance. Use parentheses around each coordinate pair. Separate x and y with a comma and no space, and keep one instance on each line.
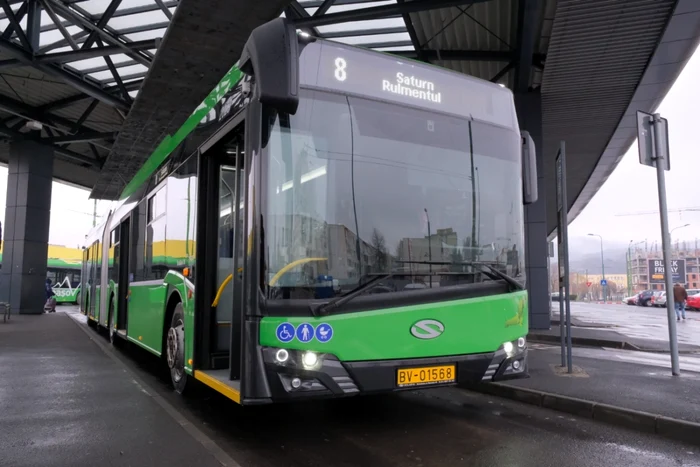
(584,254)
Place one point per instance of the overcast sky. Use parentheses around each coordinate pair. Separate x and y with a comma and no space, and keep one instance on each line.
(630,189)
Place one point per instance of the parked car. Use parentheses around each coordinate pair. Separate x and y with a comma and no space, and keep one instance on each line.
(693,302)
(630,300)
(660,298)
(645,298)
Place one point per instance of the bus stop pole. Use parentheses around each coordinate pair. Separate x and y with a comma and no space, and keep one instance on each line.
(660,153)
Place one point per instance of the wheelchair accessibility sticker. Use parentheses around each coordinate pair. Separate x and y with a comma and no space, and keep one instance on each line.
(285,332)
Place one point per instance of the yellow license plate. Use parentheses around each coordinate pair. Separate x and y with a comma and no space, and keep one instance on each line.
(425,375)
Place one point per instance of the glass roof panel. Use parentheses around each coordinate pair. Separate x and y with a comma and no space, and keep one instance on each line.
(123,71)
(140,36)
(400,37)
(141,19)
(352,6)
(49,37)
(403,48)
(98,61)
(363,25)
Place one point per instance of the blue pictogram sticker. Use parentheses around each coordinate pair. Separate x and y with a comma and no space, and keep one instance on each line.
(305,332)
(324,332)
(285,332)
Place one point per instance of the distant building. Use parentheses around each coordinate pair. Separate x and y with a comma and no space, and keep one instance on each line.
(639,268)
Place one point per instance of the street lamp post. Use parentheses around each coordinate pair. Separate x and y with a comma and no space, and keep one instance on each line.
(629,268)
(676,228)
(602,264)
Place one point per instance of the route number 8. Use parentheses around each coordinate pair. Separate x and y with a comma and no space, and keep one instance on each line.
(340,69)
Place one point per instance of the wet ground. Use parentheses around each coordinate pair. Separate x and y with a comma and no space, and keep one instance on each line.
(441,427)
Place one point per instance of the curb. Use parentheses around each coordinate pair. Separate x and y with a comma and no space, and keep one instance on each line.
(645,422)
(592,342)
(584,341)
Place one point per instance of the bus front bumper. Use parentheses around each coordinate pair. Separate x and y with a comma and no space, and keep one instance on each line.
(295,374)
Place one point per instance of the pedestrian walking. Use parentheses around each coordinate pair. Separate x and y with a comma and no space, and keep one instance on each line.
(680,295)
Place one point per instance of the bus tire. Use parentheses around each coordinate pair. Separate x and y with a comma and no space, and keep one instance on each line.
(77,301)
(175,349)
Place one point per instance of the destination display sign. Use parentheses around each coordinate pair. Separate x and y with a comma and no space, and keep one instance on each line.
(656,271)
(336,67)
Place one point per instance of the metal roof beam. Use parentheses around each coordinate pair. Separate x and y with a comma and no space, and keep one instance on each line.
(82,54)
(63,42)
(32,113)
(84,116)
(504,71)
(104,18)
(66,76)
(10,27)
(528,12)
(165,9)
(68,101)
(83,137)
(15,25)
(412,34)
(107,37)
(64,57)
(57,22)
(364,32)
(471,55)
(115,75)
(461,55)
(117,14)
(296,11)
(98,69)
(33,23)
(318,3)
(379,12)
(323,7)
(16,135)
(142,28)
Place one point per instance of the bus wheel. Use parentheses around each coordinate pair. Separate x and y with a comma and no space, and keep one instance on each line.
(175,350)
(77,302)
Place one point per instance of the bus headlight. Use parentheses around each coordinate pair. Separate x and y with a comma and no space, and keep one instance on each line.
(282,356)
(508,347)
(512,348)
(310,359)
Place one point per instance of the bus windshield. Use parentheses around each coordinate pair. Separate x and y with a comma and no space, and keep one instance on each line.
(357,188)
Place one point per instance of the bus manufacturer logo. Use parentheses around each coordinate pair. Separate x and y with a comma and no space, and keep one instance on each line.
(427,329)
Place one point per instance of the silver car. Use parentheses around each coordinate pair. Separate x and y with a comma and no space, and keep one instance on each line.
(660,298)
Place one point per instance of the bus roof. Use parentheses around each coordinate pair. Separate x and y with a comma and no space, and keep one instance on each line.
(390,77)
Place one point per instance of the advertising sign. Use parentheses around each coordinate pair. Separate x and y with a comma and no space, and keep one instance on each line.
(656,271)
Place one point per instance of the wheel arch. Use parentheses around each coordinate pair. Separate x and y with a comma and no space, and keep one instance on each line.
(174,298)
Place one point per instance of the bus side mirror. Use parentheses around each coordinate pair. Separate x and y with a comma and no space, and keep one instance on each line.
(529,161)
(271,55)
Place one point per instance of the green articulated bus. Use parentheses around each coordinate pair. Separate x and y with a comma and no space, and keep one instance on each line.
(63,268)
(330,221)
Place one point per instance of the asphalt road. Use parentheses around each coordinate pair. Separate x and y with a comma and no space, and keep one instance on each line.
(431,428)
(637,321)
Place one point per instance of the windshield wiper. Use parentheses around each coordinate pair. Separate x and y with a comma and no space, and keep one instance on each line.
(325,308)
(489,270)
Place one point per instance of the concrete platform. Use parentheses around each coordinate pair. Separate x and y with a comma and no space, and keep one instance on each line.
(65,402)
(627,394)
(598,337)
